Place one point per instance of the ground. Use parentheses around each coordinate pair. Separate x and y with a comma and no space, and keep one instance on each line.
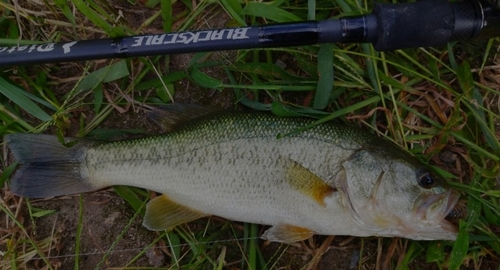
(102,230)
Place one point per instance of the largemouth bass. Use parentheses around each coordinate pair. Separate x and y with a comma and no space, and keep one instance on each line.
(330,179)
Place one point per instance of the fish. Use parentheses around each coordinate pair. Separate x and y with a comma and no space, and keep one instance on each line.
(329,179)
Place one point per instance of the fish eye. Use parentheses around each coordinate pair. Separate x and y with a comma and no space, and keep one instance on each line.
(426,181)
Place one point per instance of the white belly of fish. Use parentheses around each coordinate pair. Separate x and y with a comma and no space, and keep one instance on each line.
(241,180)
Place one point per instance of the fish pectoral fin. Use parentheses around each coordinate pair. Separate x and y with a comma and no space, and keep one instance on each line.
(306,182)
(287,233)
(163,213)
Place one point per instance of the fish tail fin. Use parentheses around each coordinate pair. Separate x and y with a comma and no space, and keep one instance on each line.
(47,167)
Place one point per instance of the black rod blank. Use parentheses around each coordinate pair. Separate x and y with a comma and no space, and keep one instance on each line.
(391,26)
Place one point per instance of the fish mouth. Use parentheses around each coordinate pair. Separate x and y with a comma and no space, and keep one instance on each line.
(442,208)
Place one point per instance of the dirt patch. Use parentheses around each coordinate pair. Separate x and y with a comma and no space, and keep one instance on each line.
(107,222)
(110,223)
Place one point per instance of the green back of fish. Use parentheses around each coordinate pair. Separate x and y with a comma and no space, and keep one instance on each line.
(47,168)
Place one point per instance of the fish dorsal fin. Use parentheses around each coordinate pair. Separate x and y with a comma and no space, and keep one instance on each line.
(162,213)
(170,117)
(287,233)
(306,182)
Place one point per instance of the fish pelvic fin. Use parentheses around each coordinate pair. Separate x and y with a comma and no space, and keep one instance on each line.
(163,213)
(47,167)
(308,183)
(287,233)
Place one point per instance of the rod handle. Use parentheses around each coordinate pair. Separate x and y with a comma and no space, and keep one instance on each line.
(427,23)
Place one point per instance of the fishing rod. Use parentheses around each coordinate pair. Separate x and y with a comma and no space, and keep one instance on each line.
(425,23)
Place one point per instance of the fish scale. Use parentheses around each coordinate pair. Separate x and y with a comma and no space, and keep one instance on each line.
(328,179)
(190,170)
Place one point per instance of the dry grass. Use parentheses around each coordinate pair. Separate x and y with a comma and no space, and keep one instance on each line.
(430,101)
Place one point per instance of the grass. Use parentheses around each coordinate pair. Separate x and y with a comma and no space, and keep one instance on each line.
(442,104)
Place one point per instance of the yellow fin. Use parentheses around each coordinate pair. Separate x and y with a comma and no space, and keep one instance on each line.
(287,233)
(306,182)
(162,214)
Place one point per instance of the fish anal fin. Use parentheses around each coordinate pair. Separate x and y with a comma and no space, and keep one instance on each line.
(306,182)
(287,233)
(163,213)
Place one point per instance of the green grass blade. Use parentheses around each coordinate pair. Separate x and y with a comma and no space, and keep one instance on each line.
(97,18)
(157,82)
(261,9)
(267,70)
(435,252)
(28,238)
(253,246)
(79,229)
(311,9)
(234,9)
(15,94)
(64,7)
(7,172)
(460,247)
(205,80)
(15,42)
(325,71)
(166,14)
(129,194)
(109,73)
(472,93)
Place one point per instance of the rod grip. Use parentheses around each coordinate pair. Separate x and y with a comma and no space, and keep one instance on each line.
(426,23)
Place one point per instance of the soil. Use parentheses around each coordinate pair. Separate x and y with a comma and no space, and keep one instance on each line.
(109,221)
(105,217)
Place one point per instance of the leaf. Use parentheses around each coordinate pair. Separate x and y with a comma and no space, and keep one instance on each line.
(280,109)
(166,15)
(391,81)
(7,172)
(493,193)
(344,6)
(152,3)
(478,113)
(259,106)
(175,246)
(169,78)
(460,247)
(411,254)
(204,80)
(165,94)
(464,76)
(15,42)
(283,110)
(270,12)
(325,71)
(234,9)
(97,19)
(106,74)
(266,70)
(98,98)
(41,212)
(17,95)
(372,69)
(474,103)
(473,211)
(63,5)
(311,9)
(435,252)
(131,197)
